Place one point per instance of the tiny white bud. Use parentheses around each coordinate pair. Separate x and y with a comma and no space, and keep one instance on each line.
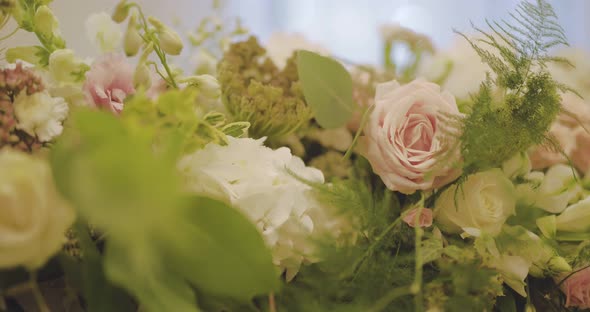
(132,41)
(121,12)
(170,41)
(45,22)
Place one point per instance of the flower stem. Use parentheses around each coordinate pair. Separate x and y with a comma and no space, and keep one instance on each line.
(37,293)
(393,294)
(157,49)
(271,303)
(417,285)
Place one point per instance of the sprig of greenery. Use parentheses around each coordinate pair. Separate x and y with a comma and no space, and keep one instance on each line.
(155,35)
(513,109)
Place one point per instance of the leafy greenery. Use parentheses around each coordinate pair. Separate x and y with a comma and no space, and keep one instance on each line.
(160,244)
(513,111)
(172,122)
(327,87)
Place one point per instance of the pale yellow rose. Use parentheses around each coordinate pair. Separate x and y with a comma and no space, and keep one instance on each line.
(481,204)
(33,216)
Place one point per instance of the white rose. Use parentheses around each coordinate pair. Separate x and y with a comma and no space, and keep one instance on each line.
(254,179)
(575,218)
(103,31)
(40,114)
(33,216)
(481,204)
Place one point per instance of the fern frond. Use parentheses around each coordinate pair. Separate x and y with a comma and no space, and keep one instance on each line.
(519,100)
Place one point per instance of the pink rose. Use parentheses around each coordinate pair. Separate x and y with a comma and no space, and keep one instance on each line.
(109,81)
(569,132)
(404,136)
(424,220)
(577,289)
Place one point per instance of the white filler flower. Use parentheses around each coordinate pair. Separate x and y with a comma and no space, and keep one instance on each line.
(40,114)
(255,179)
(104,32)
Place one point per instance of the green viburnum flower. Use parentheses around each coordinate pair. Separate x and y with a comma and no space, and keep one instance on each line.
(255,90)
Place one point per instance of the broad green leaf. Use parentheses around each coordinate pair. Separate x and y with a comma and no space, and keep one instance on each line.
(99,293)
(159,245)
(327,87)
(221,251)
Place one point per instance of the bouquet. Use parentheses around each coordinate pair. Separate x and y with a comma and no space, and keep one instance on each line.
(280,177)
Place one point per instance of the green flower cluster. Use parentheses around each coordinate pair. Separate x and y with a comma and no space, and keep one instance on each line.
(255,90)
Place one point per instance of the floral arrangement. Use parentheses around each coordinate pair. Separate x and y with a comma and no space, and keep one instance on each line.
(282,178)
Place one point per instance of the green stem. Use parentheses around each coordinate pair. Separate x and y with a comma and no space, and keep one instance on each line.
(377,241)
(37,293)
(393,294)
(364,121)
(417,285)
(157,48)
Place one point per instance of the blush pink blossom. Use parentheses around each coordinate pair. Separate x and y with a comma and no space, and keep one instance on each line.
(108,82)
(404,136)
(424,220)
(572,135)
(577,289)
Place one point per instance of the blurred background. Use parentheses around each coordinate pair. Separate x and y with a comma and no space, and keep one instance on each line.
(348,28)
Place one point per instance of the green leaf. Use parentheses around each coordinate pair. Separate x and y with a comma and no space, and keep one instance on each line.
(160,246)
(99,293)
(222,252)
(327,87)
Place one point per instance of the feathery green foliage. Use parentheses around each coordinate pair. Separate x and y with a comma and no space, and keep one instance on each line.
(513,110)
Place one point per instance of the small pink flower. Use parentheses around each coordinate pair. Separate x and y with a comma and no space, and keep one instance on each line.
(404,136)
(424,220)
(109,81)
(577,289)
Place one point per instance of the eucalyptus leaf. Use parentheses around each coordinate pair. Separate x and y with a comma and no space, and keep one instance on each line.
(327,87)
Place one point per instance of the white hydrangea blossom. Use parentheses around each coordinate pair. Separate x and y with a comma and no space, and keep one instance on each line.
(255,179)
(40,114)
(104,32)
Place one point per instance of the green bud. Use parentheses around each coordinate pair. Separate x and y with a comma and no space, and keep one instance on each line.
(132,41)
(45,22)
(30,54)
(121,12)
(559,265)
(170,41)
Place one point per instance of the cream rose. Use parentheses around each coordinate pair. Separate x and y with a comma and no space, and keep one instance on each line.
(482,204)
(404,136)
(33,217)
